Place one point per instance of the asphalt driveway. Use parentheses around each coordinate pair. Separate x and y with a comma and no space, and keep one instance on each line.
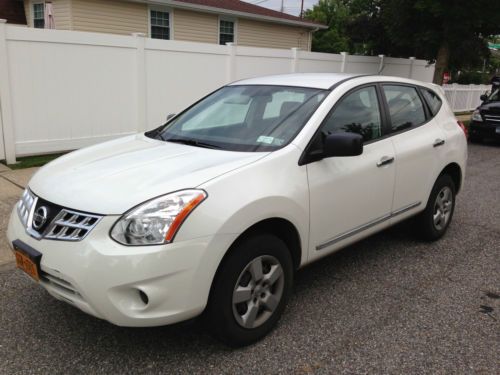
(389,304)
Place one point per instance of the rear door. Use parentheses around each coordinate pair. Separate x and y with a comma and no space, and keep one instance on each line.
(419,145)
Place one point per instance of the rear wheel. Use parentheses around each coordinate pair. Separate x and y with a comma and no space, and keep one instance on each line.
(433,222)
(250,291)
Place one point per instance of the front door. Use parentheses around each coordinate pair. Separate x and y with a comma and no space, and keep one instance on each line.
(351,197)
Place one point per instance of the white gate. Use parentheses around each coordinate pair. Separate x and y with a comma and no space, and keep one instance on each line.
(2,147)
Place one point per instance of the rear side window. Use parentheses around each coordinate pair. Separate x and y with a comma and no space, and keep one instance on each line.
(432,100)
(405,107)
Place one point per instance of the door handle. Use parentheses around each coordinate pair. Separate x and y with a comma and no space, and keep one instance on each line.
(438,142)
(385,160)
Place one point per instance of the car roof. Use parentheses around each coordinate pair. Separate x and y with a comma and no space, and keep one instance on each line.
(313,80)
(330,80)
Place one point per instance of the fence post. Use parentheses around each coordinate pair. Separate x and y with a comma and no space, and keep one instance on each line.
(381,64)
(142,113)
(295,60)
(6,118)
(453,98)
(344,61)
(470,96)
(231,62)
(412,61)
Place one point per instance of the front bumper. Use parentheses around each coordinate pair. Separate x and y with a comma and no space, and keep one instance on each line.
(104,278)
(484,130)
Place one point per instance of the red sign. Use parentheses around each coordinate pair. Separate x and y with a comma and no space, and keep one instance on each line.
(446,77)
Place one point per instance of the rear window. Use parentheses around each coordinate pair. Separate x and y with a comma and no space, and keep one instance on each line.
(405,107)
(432,100)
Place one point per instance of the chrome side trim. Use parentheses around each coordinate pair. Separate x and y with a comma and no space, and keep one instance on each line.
(406,208)
(366,226)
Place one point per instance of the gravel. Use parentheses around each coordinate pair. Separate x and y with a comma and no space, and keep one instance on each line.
(389,304)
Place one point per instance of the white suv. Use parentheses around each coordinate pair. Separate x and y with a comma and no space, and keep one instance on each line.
(214,211)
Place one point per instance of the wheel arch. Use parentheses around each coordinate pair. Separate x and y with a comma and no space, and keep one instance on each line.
(455,172)
(280,227)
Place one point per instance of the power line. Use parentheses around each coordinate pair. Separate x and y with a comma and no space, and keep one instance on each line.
(259,2)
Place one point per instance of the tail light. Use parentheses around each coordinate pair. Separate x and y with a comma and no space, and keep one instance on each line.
(464,128)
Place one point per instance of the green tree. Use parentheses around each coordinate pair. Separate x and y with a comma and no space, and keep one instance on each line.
(451,33)
(335,14)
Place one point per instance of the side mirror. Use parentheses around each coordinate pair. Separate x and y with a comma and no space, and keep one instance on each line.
(483,97)
(171,115)
(342,144)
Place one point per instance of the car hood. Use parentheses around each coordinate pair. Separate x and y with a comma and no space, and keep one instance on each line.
(493,107)
(112,177)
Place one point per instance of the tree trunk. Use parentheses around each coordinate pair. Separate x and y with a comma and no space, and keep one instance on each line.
(442,59)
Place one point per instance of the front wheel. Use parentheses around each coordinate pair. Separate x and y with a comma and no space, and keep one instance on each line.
(433,222)
(250,291)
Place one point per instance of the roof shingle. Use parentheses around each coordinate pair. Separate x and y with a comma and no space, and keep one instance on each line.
(241,6)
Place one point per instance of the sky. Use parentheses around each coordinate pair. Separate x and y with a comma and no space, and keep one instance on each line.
(291,6)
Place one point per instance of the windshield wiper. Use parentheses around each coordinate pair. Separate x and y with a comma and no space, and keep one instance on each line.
(192,142)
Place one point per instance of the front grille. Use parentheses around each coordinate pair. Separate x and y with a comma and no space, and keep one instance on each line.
(492,118)
(59,223)
(25,205)
(71,225)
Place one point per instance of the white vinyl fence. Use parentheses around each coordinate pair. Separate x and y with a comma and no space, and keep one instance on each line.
(463,98)
(61,90)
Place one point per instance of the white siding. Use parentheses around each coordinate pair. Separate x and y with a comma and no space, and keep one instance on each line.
(110,16)
(271,35)
(195,26)
(62,13)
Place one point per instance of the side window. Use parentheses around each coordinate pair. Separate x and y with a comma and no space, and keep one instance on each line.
(226,32)
(38,15)
(405,107)
(160,24)
(432,100)
(358,112)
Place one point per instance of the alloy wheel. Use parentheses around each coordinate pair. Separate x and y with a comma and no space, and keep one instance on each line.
(258,291)
(442,208)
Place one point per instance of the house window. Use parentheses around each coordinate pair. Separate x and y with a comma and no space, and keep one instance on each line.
(226,32)
(160,24)
(38,15)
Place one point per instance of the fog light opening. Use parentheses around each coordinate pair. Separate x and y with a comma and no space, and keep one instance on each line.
(144,297)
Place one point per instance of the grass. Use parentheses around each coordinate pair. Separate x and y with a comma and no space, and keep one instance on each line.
(32,161)
(463,113)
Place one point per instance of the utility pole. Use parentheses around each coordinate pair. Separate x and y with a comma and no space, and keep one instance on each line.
(301,8)
(282,6)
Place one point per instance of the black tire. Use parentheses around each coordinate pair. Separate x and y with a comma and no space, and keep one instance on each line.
(220,317)
(426,226)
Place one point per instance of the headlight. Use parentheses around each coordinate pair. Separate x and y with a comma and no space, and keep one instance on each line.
(476,116)
(156,222)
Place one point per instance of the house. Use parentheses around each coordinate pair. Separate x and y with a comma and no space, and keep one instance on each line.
(207,21)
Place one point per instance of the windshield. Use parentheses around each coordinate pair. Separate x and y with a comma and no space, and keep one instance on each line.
(494,96)
(244,118)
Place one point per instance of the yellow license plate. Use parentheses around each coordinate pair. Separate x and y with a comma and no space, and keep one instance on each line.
(24,263)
